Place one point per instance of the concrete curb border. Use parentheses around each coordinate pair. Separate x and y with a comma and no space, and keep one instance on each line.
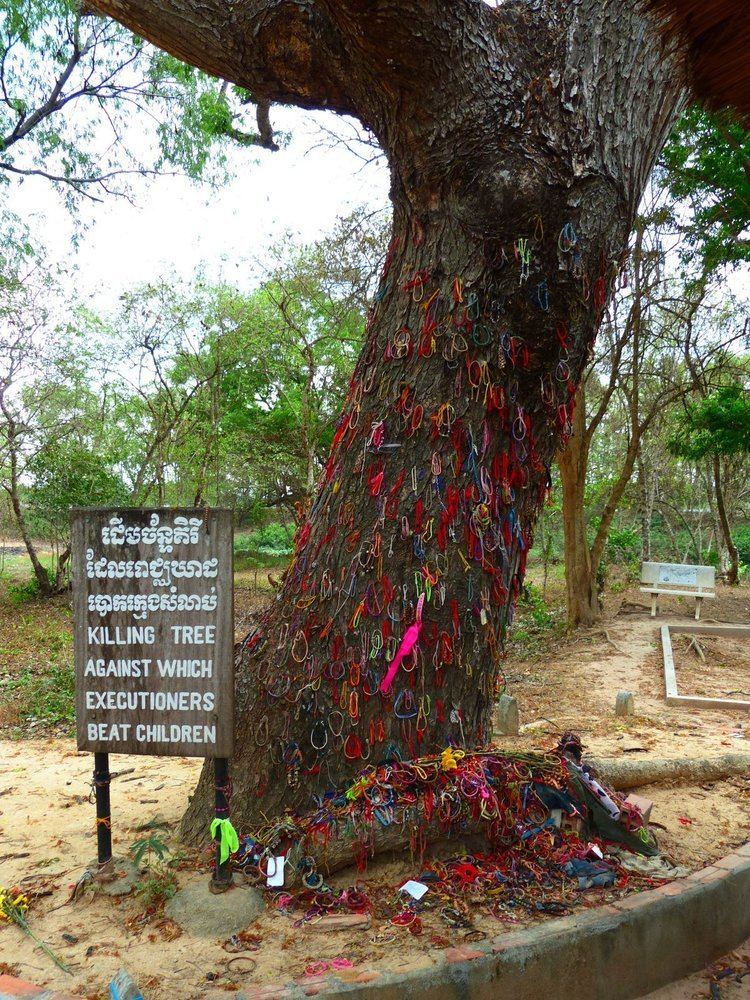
(616,952)
(670,677)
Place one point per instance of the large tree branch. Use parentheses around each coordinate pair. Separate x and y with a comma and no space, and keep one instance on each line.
(421,44)
(54,102)
(528,81)
(608,391)
(284,51)
(83,184)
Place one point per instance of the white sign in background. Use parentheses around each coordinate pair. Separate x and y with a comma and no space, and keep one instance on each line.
(686,576)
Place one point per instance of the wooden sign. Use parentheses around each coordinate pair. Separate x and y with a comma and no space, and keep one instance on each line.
(154,632)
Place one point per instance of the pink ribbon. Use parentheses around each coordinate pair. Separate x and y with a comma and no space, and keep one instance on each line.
(411,637)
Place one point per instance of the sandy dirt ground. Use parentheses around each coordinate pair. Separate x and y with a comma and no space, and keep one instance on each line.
(47,835)
(47,839)
(710,666)
(574,685)
(727,979)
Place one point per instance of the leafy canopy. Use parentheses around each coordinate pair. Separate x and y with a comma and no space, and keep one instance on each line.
(72,85)
(707,163)
(718,424)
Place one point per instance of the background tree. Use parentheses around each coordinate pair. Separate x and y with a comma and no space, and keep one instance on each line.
(159,370)
(661,315)
(707,167)
(70,84)
(237,392)
(53,426)
(717,428)
(288,354)
(512,208)
(64,474)
(190,393)
(21,287)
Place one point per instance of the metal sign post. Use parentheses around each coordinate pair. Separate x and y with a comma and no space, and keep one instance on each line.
(222,872)
(103,810)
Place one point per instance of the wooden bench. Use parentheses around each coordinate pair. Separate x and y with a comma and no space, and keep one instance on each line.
(677,579)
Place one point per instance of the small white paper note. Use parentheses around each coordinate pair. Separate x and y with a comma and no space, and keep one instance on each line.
(595,850)
(275,872)
(415,889)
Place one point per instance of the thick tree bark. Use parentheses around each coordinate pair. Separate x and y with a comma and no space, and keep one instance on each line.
(519,141)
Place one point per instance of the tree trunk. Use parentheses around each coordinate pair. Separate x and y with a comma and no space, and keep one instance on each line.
(733,568)
(482,326)
(519,140)
(626,774)
(615,495)
(12,489)
(431,492)
(40,572)
(62,576)
(647,486)
(580,575)
(582,568)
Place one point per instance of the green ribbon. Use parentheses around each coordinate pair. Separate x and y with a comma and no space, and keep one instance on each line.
(229,842)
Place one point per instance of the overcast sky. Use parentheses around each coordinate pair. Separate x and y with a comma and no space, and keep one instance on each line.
(177,226)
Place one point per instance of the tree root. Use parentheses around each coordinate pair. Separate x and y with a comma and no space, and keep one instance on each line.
(396,840)
(399,840)
(625,774)
(613,644)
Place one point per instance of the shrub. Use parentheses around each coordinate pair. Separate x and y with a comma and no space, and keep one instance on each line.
(538,610)
(48,697)
(535,625)
(272,540)
(623,545)
(27,590)
(741,538)
(159,882)
(158,887)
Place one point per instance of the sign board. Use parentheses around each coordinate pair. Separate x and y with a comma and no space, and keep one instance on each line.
(685,576)
(154,631)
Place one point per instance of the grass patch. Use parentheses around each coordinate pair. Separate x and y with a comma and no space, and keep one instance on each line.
(35,634)
(25,591)
(17,568)
(46,697)
(536,624)
(248,562)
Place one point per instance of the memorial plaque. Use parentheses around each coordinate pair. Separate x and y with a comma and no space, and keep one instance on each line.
(685,576)
(154,631)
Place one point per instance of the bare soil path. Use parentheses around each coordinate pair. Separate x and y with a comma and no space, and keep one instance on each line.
(47,833)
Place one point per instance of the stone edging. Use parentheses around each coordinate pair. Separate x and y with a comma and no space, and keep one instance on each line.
(616,952)
(670,678)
